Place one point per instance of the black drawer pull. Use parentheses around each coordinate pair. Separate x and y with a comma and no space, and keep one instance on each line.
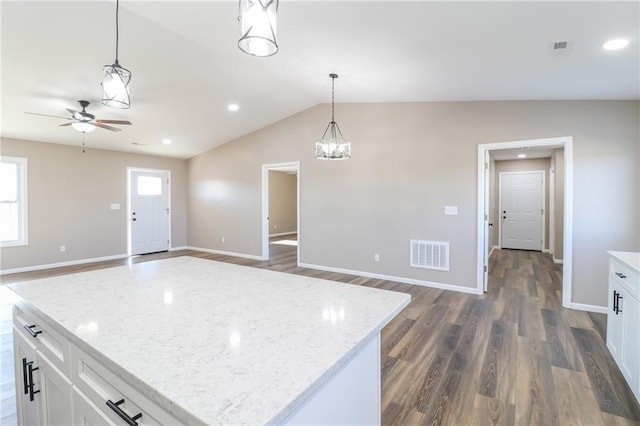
(621,275)
(32,332)
(115,406)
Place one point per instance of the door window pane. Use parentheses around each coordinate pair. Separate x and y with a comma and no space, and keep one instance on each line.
(149,185)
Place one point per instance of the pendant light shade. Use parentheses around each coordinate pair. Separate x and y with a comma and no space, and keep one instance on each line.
(332,145)
(258,21)
(115,84)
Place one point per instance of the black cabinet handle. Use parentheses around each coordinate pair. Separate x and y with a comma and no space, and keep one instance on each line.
(618,297)
(32,332)
(621,275)
(25,380)
(115,406)
(615,301)
(32,385)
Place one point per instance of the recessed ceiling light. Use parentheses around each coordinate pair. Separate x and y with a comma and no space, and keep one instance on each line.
(522,155)
(233,107)
(617,44)
(166,141)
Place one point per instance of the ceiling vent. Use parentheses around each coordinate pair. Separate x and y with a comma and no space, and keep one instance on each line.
(561,47)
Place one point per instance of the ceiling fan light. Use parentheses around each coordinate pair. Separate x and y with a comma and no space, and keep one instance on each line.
(115,86)
(258,22)
(83,127)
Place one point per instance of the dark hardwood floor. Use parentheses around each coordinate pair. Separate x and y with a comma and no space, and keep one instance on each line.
(512,356)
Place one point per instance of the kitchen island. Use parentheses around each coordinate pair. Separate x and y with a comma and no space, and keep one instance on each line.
(193,341)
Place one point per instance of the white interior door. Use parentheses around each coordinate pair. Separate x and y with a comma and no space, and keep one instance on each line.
(148,211)
(521,210)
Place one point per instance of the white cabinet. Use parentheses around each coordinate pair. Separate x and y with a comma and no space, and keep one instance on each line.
(623,319)
(27,386)
(59,384)
(55,393)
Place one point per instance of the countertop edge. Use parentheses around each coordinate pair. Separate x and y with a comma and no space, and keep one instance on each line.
(623,256)
(324,378)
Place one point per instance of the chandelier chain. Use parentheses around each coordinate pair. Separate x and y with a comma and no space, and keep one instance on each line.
(117,29)
(333,89)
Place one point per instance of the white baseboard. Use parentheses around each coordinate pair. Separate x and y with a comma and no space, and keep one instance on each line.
(413,281)
(283,233)
(227,253)
(589,308)
(558,261)
(178,248)
(61,264)
(493,248)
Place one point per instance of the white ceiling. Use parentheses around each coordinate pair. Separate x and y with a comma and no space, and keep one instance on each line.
(187,68)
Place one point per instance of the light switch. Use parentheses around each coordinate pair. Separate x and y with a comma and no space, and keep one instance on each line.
(115,206)
(451,210)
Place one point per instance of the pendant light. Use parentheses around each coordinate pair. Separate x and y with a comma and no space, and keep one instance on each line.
(258,27)
(115,84)
(332,145)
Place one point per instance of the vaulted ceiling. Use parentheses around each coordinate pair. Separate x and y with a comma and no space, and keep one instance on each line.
(187,67)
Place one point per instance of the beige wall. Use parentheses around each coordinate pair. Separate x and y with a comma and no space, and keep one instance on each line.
(283,202)
(69,198)
(525,165)
(409,161)
(493,206)
(558,168)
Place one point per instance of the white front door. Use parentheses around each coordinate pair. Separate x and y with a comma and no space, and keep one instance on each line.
(148,211)
(521,210)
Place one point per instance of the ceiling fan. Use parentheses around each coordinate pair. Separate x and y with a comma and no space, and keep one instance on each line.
(84,122)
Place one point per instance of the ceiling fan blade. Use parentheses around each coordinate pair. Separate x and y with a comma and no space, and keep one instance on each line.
(66,124)
(104,126)
(113,121)
(72,111)
(47,115)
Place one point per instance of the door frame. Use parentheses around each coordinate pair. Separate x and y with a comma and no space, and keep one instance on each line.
(544,207)
(566,142)
(265,205)
(143,169)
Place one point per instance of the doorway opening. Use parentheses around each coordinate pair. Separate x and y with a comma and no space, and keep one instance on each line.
(281,211)
(557,235)
(148,211)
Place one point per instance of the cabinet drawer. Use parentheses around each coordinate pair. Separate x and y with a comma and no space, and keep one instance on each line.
(626,276)
(43,337)
(100,385)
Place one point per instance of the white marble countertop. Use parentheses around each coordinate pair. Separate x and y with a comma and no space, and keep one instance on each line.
(632,259)
(211,341)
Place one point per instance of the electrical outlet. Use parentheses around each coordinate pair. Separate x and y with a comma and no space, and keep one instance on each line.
(376,257)
(63,249)
(222,239)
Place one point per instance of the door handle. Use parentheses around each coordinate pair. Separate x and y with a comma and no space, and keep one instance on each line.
(134,219)
(504,217)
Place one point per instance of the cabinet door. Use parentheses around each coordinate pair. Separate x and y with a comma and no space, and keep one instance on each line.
(630,329)
(55,394)
(25,359)
(85,413)
(614,323)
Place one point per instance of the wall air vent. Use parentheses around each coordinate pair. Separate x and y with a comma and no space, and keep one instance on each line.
(430,255)
(561,47)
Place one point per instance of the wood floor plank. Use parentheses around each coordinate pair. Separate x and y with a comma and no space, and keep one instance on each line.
(606,380)
(535,393)
(491,411)
(576,401)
